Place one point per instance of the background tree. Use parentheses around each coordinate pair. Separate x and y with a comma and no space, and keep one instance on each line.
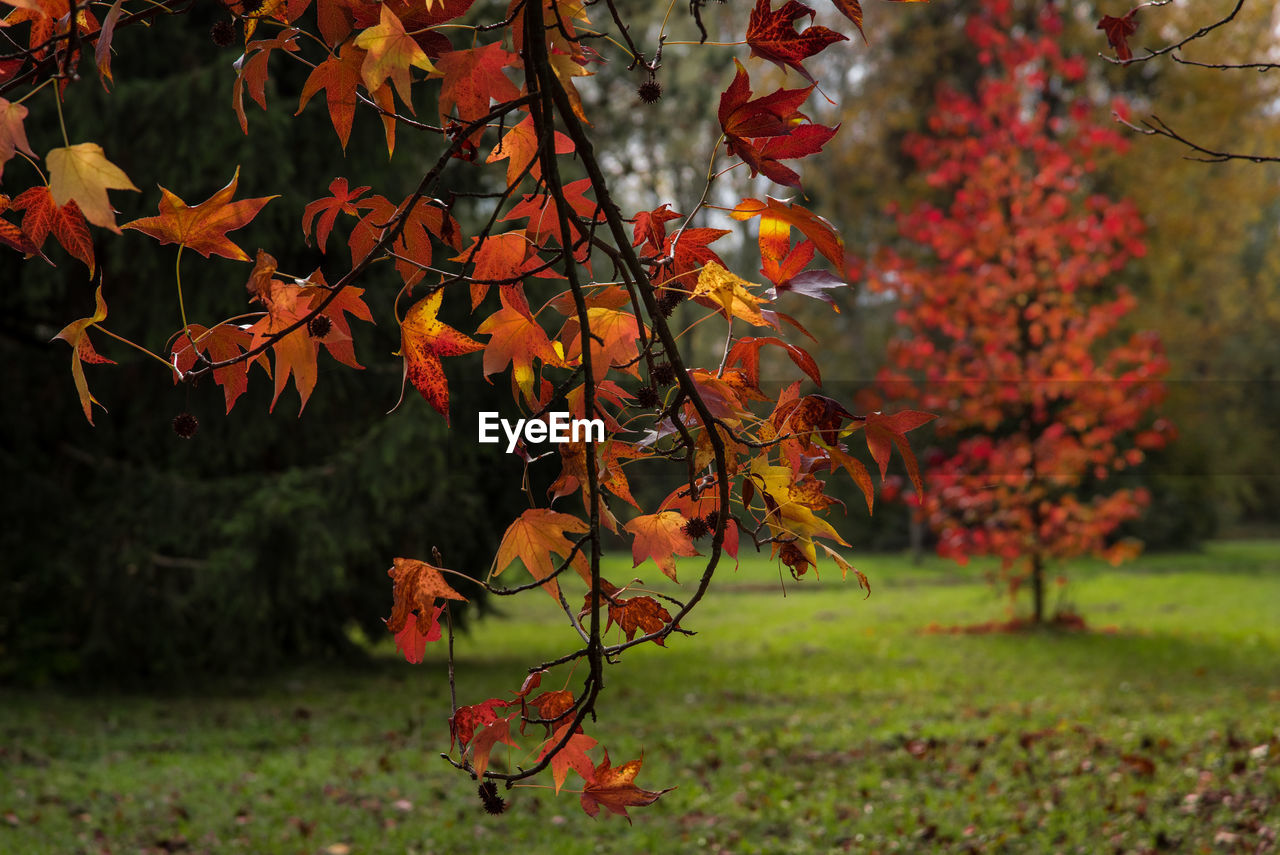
(1009,304)
(1192,76)
(244,555)
(1205,282)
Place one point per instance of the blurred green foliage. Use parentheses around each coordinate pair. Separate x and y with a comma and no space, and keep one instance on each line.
(132,555)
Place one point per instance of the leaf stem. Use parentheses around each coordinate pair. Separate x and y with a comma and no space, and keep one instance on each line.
(182,308)
(61,122)
(34,91)
(139,347)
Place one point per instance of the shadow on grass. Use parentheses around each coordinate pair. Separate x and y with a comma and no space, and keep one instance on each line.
(1172,662)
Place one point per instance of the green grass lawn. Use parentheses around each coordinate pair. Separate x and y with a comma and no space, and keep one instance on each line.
(815,722)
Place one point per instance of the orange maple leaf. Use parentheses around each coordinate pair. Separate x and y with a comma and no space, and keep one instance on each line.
(550,706)
(520,149)
(203,227)
(661,537)
(349,300)
(515,338)
(631,614)
(13,134)
(252,71)
(338,77)
(616,789)
(424,338)
(777,218)
(417,586)
(613,341)
(295,353)
(533,537)
(76,334)
(572,756)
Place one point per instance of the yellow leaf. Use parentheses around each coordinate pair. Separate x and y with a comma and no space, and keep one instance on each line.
(845,567)
(390,53)
(83,173)
(76,334)
(566,68)
(730,292)
(789,513)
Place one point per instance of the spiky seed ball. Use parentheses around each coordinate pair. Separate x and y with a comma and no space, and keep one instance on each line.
(668,301)
(647,397)
(223,33)
(493,803)
(664,374)
(319,326)
(711,519)
(696,528)
(650,91)
(185,425)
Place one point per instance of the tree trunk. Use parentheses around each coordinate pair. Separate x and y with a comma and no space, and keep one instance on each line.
(915,532)
(1037,587)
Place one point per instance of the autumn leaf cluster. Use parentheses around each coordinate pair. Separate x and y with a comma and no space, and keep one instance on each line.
(583,304)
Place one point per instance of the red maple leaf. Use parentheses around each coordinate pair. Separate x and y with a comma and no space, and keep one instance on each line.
(651,227)
(689,251)
(1118,31)
(218,344)
(413,639)
(882,429)
(751,126)
(463,723)
(252,69)
(803,141)
(342,200)
(747,351)
(770,115)
(474,77)
(43,217)
(772,35)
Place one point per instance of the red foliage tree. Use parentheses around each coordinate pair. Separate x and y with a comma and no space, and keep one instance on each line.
(1010,307)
